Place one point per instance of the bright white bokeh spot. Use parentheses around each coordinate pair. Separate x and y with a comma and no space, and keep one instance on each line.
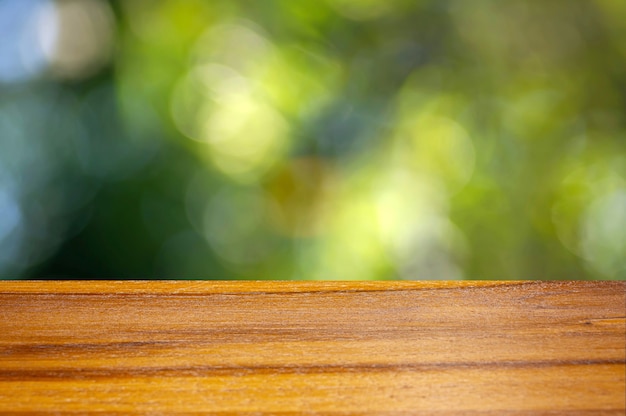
(27,29)
(198,93)
(67,38)
(418,236)
(84,38)
(221,103)
(245,135)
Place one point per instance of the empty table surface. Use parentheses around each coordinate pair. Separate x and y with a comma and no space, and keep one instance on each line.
(443,348)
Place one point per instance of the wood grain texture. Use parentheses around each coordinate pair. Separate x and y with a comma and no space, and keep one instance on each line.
(442,348)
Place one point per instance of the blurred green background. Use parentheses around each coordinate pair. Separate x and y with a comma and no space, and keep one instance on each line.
(313,139)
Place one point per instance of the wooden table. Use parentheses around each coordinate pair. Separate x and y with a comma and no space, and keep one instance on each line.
(442,348)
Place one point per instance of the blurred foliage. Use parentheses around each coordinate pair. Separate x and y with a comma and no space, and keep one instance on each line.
(327,139)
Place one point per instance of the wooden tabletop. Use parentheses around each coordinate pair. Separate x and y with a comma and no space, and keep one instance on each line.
(442,348)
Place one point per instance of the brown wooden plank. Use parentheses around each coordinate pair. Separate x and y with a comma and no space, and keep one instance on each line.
(478,348)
